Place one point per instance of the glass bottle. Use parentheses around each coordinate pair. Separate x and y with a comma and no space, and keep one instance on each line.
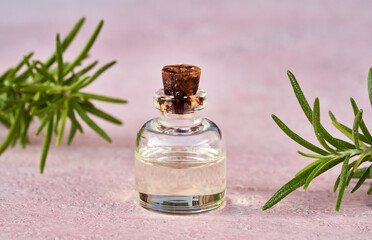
(180,159)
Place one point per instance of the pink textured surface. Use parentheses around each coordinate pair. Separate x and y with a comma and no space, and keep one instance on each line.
(244,49)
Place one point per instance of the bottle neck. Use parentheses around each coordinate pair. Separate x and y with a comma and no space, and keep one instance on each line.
(180,121)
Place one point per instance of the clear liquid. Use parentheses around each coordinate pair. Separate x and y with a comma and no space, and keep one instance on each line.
(180,173)
(180,181)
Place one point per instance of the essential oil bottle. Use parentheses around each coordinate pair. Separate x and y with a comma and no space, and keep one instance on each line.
(180,159)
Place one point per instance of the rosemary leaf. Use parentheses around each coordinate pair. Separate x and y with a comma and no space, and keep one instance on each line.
(363,126)
(362,179)
(85,50)
(297,138)
(59,59)
(343,183)
(316,126)
(43,123)
(99,72)
(369,189)
(40,68)
(80,73)
(12,130)
(338,143)
(46,144)
(51,92)
(365,156)
(66,42)
(19,65)
(329,157)
(315,163)
(355,133)
(89,121)
(102,98)
(359,172)
(348,132)
(309,155)
(289,187)
(323,165)
(99,113)
(71,115)
(62,124)
(26,120)
(370,85)
(72,133)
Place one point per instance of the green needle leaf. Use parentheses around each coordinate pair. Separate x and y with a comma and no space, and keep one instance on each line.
(338,143)
(297,138)
(5,121)
(99,72)
(12,130)
(36,88)
(102,114)
(41,90)
(370,85)
(289,187)
(295,183)
(87,68)
(43,123)
(316,126)
(13,71)
(73,119)
(311,165)
(348,132)
(59,52)
(90,122)
(46,144)
(369,190)
(56,121)
(365,156)
(5,74)
(25,124)
(23,76)
(363,126)
(72,133)
(66,42)
(300,97)
(343,182)
(324,164)
(80,73)
(359,172)
(62,124)
(139,136)
(85,50)
(102,98)
(342,153)
(337,182)
(309,155)
(355,132)
(75,85)
(362,179)
(40,68)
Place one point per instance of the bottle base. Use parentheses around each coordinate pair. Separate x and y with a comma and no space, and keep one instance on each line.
(180,204)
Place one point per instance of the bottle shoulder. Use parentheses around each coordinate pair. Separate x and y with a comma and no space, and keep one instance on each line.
(206,135)
(206,125)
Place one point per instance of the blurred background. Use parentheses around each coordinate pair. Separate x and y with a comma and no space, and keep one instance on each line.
(244,49)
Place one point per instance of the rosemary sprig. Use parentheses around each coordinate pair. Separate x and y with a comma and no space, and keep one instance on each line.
(335,151)
(51,92)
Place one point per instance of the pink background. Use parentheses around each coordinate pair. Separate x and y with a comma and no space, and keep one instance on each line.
(244,49)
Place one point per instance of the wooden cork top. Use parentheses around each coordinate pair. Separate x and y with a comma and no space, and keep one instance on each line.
(181,80)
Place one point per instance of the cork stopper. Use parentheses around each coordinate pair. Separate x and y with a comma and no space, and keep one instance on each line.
(180,94)
(181,80)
